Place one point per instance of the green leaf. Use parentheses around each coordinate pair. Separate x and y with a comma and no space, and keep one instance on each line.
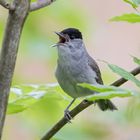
(110,94)
(23,97)
(132,18)
(106,92)
(123,73)
(20,104)
(100,88)
(133,4)
(14,108)
(136,60)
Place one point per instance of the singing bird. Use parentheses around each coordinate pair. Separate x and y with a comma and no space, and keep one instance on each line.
(75,65)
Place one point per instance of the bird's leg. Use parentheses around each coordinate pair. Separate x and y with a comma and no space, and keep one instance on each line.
(66,112)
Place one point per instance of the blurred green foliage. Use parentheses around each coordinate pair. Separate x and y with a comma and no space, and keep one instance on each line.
(131,17)
(26,96)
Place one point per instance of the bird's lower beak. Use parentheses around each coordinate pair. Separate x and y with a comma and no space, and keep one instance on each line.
(54,45)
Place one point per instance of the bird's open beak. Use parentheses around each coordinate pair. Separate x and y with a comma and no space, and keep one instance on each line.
(60,36)
(62,39)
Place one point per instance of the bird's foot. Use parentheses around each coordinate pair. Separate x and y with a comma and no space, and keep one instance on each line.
(67,115)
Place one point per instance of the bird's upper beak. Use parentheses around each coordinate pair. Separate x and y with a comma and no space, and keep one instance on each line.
(62,38)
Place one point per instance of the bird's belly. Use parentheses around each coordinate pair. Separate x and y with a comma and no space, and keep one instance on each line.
(69,77)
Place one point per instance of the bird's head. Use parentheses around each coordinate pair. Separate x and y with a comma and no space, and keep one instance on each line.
(70,42)
(69,34)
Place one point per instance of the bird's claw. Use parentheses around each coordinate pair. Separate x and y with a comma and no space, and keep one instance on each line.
(67,115)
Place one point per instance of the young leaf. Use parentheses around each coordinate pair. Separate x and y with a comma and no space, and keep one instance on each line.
(132,18)
(110,94)
(14,108)
(100,88)
(123,73)
(106,92)
(20,104)
(136,60)
(134,5)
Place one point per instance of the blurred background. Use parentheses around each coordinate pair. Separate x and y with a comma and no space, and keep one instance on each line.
(113,42)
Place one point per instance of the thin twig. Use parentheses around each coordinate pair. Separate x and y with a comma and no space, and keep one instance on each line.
(7,5)
(40,4)
(83,105)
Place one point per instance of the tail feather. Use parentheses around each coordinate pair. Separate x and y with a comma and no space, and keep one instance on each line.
(106,105)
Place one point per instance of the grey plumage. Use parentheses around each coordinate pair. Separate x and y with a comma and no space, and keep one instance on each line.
(74,65)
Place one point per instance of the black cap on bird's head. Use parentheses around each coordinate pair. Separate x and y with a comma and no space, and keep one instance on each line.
(69,33)
(73,33)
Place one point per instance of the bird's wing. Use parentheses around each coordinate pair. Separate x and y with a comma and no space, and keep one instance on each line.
(92,63)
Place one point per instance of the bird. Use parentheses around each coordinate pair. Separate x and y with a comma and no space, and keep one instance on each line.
(74,66)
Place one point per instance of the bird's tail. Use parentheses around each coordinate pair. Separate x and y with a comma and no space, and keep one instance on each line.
(106,105)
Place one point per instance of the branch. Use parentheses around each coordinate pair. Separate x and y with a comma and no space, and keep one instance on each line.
(83,105)
(7,5)
(9,50)
(40,4)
